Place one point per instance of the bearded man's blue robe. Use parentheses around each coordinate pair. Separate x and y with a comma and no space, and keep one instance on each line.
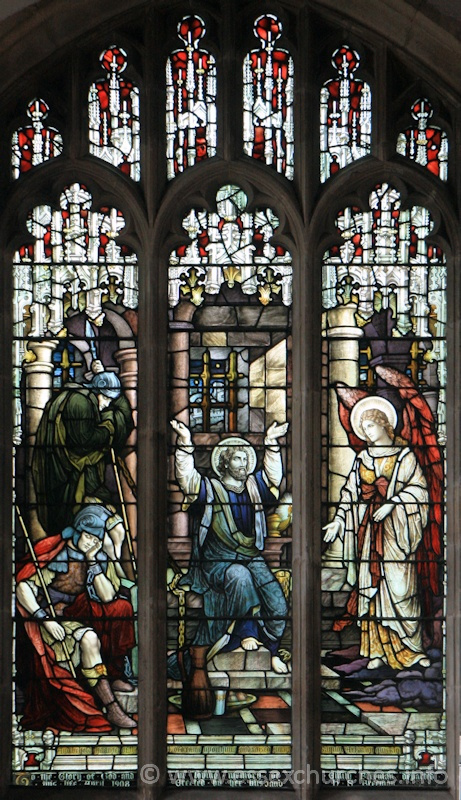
(228,569)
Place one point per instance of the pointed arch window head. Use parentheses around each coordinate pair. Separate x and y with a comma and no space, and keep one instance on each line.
(35,143)
(386,265)
(75,265)
(423,142)
(191,121)
(268,94)
(113,111)
(228,247)
(345,115)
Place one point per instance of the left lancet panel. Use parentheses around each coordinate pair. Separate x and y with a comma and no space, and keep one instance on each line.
(36,142)
(74,481)
(113,115)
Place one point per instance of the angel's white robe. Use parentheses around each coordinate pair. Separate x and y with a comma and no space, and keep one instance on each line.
(388,606)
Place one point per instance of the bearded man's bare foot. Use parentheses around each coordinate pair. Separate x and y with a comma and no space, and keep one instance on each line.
(278,665)
(250,643)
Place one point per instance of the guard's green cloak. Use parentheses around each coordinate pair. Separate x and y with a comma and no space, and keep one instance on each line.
(71,451)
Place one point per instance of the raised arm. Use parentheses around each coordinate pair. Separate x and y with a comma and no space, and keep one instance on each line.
(186,474)
(272,464)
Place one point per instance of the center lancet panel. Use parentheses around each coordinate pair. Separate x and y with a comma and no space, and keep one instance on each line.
(230,513)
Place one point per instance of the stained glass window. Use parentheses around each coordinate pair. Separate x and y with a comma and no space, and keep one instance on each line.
(268,94)
(237,418)
(229,574)
(35,143)
(425,143)
(191,126)
(345,115)
(75,366)
(113,114)
(384,435)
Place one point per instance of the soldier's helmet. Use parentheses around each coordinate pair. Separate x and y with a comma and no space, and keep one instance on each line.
(106,383)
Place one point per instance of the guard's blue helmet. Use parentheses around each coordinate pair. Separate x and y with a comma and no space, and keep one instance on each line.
(91,518)
(106,383)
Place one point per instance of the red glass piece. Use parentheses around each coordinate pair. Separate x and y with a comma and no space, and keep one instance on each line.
(191,29)
(268,28)
(345,60)
(113,59)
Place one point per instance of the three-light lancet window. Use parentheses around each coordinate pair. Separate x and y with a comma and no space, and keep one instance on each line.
(232,259)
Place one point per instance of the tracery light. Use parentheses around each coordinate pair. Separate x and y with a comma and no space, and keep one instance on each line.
(113,111)
(191,121)
(345,115)
(35,143)
(268,95)
(426,144)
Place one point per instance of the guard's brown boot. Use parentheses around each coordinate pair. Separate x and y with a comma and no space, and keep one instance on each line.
(114,713)
(120,685)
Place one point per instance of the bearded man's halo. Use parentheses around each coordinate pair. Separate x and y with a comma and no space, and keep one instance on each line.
(239,444)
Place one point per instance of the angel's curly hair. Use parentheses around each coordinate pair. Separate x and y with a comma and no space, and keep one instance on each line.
(378,416)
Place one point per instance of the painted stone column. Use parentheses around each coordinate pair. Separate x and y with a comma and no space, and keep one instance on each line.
(39,385)
(127,359)
(343,334)
(179,344)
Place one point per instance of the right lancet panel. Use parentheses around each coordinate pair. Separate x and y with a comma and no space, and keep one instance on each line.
(423,142)
(383,434)
(345,115)
(268,95)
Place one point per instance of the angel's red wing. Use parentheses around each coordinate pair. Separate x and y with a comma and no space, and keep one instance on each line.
(419,430)
(347,398)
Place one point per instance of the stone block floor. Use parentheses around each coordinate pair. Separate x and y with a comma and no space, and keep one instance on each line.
(256,737)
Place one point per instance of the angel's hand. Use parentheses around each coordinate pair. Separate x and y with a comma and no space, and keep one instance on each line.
(383,512)
(277,430)
(184,434)
(332,530)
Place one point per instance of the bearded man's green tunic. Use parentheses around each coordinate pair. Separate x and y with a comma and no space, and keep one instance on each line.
(72,448)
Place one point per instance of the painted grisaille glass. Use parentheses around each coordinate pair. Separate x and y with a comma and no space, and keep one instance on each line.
(268,97)
(113,115)
(75,363)
(345,115)
(384,431)
(229,573)
(191,115)
(35,143)
(424,142)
